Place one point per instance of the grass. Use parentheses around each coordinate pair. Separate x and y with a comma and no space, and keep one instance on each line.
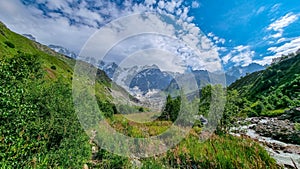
(274,113)
(135,129)
(218,151)
(142,117)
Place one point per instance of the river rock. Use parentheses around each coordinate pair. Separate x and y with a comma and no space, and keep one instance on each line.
(278,129)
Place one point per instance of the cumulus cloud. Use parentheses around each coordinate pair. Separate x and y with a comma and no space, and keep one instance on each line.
(47,31)
(216,39)
(71,24)
(181,39)
(240,55)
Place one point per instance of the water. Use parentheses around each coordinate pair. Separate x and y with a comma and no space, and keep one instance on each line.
(283,158)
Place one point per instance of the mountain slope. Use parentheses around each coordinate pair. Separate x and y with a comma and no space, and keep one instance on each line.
(239,71)
(39,127)
(276,88)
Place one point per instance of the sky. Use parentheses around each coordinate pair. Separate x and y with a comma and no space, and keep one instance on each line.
(226,33)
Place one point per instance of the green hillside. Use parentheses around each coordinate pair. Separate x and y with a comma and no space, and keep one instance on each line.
(38,125)
(272,90)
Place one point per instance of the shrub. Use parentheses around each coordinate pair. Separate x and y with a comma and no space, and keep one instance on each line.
(9,44)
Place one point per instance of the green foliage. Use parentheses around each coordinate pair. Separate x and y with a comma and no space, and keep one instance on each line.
(39,127)
(107,108)
(15,105)
(205,99)
(171,109)
(270,91)
(297,126)
(233,107)
(109,160)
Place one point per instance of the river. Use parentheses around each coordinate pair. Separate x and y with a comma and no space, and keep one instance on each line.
(287,155)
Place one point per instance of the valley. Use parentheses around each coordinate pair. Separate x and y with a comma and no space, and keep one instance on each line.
(46,123)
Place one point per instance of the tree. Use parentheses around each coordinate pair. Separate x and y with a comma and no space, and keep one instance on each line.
(171,109)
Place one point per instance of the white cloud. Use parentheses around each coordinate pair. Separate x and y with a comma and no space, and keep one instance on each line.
(150,2)
(161,4)
(281,23)
(190,47)
(275,8)
(170,6)
(241,48)
(281,40)
(47,31)
(240,55)
(216,39)
(265,61)
(56,4)
(286,48)
(210,34)
(291,47)
(58,30)
(260,10)
(226,58)
(277,35)
(195,4)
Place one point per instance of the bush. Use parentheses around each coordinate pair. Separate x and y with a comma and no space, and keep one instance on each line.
(39,124)
(9,44)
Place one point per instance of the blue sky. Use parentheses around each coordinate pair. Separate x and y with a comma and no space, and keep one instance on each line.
(237,32)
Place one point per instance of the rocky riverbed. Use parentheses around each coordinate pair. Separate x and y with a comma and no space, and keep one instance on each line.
(282,130)
(278,135)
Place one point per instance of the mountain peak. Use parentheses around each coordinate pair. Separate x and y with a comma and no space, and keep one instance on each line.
(29,36)
(63,51)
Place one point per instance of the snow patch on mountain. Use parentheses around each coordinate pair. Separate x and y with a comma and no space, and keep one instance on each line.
(63,51)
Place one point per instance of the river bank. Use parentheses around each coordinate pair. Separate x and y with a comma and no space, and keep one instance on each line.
(278,135)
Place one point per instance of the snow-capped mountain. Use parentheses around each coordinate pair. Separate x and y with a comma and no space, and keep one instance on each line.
(109,68)
(29,36)
(151,78)
(239,71)
(139,79)
(63,51)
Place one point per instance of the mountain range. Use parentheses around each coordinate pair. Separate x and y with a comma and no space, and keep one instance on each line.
(144,79)
(149,77)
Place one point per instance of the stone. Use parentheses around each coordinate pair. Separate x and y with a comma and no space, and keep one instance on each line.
(85,166)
